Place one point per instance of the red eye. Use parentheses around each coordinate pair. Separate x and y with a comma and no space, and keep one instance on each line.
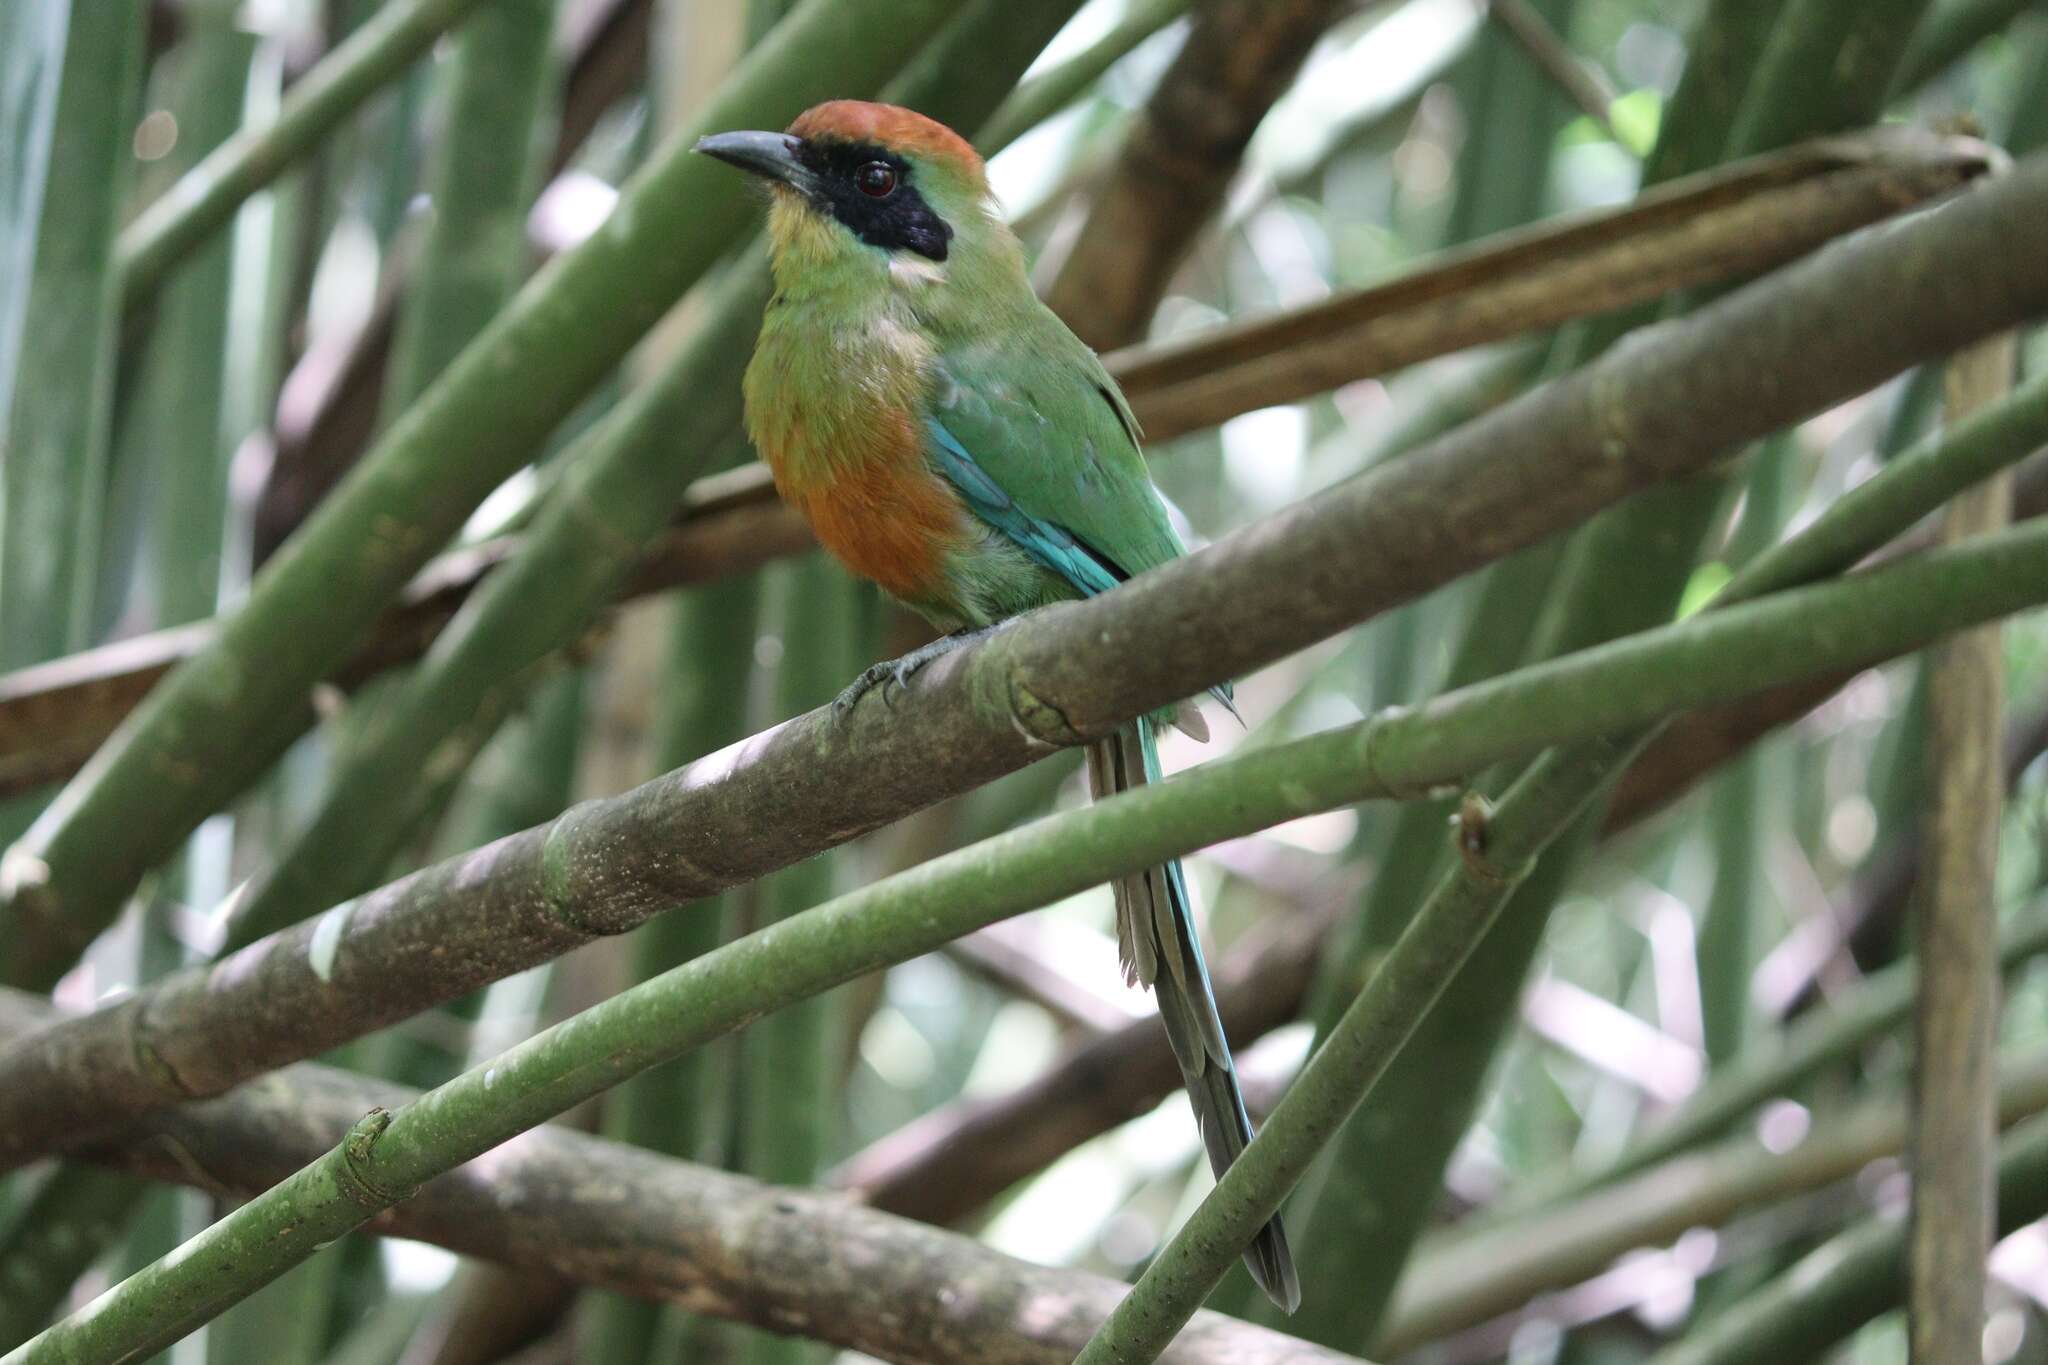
(877,179)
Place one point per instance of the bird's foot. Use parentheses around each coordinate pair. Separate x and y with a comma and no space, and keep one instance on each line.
(898,672)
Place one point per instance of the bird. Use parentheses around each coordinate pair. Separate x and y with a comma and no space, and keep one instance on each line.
(949,438)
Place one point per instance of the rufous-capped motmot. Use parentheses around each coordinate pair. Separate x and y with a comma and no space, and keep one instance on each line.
(948,437)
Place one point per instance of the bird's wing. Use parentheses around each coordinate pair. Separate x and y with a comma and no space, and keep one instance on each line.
(1036,437)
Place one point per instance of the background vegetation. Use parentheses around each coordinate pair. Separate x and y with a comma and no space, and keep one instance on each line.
(373,494)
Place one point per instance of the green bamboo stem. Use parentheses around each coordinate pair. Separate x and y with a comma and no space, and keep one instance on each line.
(56,423)
(386,1157)
(154,783)
(206,197)
(794,1260)
(1827,67)
(486,160)
(1047,93)
(1478,1278)
(185,372)
(1735,813)
(621,482)
(990,709)
(1853,1277)
(1947,35)
(31,70)
(1504,178)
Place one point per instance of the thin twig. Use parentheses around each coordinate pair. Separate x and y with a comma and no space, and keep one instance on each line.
(1583,83)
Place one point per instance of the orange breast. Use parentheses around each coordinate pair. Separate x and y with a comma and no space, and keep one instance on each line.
(878,506)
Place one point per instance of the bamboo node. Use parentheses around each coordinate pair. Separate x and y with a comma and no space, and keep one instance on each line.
(1472,826)
(354,1173)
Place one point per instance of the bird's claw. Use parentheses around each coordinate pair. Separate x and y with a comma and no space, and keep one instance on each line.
(886,674)
(897,673)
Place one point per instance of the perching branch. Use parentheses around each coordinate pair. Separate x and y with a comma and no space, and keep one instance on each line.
(1711,228)
(812,783)
(618,1217)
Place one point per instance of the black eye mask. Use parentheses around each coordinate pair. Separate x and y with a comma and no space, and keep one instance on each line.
(898,221)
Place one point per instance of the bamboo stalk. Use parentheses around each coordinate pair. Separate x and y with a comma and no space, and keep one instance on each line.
(148,789)
(1948,33)
(474,250)
(605,56)
(1956,1018)
(1628,572)
(206,197)
(57,417)
(685,1108)
(790,1101)
(1198,620)
(697,1238)
(1860,49)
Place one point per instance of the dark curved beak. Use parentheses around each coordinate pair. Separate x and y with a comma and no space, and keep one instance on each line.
(770,155)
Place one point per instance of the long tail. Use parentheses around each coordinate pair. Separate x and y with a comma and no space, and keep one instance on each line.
(1156,934)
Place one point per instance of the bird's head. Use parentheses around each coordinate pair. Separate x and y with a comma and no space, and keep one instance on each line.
(870,184)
